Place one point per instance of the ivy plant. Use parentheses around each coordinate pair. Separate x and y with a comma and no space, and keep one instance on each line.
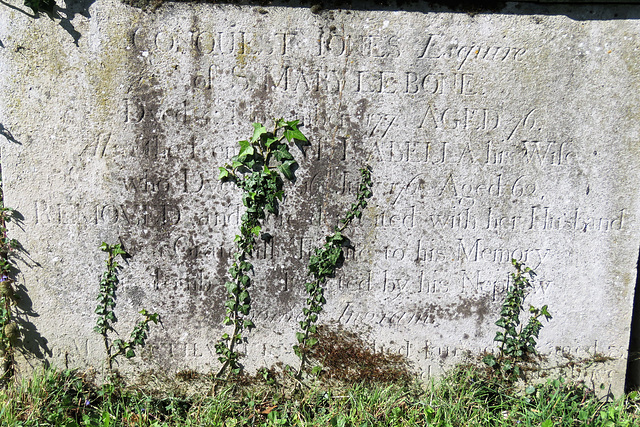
(105,311)
(323,265)
(517,342)
(9,330)
(258,170)
(41,6)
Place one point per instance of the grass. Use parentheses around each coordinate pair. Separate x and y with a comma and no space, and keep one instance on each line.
(465,397)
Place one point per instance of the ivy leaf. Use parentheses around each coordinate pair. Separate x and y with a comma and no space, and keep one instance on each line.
(246,149)
(490,360)
(291,132)
(270,141)
(243,297)
(232,288)
(285,168)
(224,174)
(258,130)
(282,153)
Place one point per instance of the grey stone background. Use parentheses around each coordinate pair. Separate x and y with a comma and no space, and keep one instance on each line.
(491,136)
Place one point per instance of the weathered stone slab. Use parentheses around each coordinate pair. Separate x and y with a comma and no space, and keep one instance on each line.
(490,137)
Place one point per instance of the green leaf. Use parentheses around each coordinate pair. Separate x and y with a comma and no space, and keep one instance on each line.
(547,423)
(300,337)
(291,132)
(285,168)
(245,148)
(282,154)
(258,130)
(244,296)
(296,350)
(489,360)
(224,173)
(232,288)
(269,142)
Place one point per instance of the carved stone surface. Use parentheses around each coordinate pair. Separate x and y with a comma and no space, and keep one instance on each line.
(490,136)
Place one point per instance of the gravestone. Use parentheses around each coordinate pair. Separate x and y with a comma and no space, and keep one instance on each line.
(491,137)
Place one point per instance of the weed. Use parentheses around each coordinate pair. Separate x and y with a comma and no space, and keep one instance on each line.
(106,316)
(517,343)
(257,170)
(9,330)
(464,397)
(323,265)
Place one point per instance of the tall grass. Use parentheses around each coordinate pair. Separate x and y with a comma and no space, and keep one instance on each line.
(465,397)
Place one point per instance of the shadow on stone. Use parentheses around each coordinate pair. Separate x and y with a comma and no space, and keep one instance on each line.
(68,14)
(33,344)
(576,10)
(6,133)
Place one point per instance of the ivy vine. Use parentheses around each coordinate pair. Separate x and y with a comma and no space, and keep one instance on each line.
(323,265)
(9,330)
(258,170)
(517,342)
(105,311)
